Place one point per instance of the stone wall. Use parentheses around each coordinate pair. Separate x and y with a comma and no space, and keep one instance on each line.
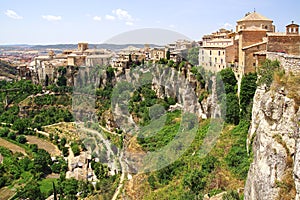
(290,63)
(250,37)
(250,61)
(289,44)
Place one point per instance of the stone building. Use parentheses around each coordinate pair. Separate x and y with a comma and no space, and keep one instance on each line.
(157,53)
(250,37)
(44,67)
(212,54)
(255,36)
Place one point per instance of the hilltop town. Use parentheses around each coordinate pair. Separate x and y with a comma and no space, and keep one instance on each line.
(244,49)
(81,122)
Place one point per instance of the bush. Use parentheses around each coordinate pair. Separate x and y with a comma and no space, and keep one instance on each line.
(195,181)
(75,149)
(11,135)
(4,132)
(33,147)
(21,139)
(248,88)
(266,72)
(231,195)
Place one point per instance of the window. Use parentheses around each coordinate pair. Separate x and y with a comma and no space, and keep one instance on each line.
(254,64)
(209,52)
(221,60)
(202,52)
(219,53)
(216,60)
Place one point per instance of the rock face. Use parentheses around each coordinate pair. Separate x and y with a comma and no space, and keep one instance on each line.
(274,136)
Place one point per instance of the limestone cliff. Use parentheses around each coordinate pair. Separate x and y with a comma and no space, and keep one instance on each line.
(274,136)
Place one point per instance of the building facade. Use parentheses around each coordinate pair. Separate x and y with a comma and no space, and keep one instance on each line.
(212,53)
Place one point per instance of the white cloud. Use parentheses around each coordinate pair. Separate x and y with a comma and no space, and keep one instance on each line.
(227,25)
(51,17)
(97,18)
(110,17)
(12,14)
(122,14)
(129,23)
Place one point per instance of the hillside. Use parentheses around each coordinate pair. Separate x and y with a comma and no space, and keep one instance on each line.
(6,70)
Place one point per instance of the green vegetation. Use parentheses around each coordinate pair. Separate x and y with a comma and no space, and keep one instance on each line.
(152,139)
(266,72)
(227,94)
(192,176)
(193,55)
(237,158)
(248,88)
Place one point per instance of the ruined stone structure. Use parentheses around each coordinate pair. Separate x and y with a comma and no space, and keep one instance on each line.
(290,63)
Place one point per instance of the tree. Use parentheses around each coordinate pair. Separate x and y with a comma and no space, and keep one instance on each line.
(232,109)
(266,72)
(248,88)
(31,191)
(63,141)
(229,81)
(54,191)
(101,171)
(168,55)
(70,187)
(75,149)
(20,125)
(11,136)
(33,147)
(195,181)
(42,160)
(21,139)
(62,81)
(193,55)
(4,132)
(129,58)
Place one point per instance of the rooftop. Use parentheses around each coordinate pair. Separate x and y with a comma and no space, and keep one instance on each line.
(254,17)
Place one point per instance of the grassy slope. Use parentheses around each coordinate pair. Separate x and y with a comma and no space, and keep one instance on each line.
(221,178)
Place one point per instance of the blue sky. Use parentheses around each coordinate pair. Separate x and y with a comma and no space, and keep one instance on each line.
(65,21)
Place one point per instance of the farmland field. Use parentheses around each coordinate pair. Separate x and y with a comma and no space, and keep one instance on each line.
(43,144)
(6,193)
(13,147)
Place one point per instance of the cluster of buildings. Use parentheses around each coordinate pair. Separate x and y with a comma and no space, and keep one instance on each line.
(244,49)
(45,65)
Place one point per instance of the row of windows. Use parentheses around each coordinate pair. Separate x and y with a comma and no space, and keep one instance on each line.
(211,64)
(210,52)
(216,60)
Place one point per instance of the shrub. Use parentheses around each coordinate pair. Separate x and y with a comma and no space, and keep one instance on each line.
(11,135)
(4,132)
(21,139)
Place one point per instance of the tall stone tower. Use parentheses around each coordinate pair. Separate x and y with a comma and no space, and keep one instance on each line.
(82,46)
(251,30)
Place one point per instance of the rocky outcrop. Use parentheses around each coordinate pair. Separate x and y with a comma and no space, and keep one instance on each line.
(274,136)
